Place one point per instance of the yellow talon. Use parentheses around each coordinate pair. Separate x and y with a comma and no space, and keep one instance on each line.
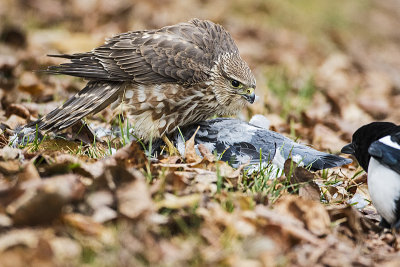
(172,150)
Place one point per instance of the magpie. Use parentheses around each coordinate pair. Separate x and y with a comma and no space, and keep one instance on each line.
(376,146)
(239,142)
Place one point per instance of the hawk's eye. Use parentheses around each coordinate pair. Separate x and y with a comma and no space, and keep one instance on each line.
(235,83)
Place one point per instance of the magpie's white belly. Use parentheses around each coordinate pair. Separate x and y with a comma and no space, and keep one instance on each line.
(384,189)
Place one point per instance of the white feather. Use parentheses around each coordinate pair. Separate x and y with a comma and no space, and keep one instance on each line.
(384,189)
(387,141)
(260,121)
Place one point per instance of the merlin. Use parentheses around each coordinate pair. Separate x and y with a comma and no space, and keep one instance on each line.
(161,79)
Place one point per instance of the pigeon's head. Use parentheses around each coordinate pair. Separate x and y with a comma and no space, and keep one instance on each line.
(364,137)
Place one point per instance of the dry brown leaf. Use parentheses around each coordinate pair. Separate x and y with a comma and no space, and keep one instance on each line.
(18,110)
(336,194)
(8,153)
(65,249)
(170,160)
(311,213)
(303,179)
(378,108)
(87,226)
(29,172)
(289,224)
(9,167)
(6,186)
(14,120)
(176,202)
(104,214)
(25,248)
(207,155)
(132,155)
(5,221)
(30,83)
(347,217)
(42,201)
(190,152)
(99,199)
(134,199)
(26,237)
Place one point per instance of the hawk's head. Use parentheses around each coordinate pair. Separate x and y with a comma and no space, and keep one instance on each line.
(234,83)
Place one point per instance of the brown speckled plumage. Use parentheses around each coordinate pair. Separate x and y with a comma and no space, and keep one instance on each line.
(162,78)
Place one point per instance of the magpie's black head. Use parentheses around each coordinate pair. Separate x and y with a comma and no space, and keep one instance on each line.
(364,137)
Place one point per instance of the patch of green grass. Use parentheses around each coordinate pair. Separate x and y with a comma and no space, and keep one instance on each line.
(294,95)
(314,19)
(264,181)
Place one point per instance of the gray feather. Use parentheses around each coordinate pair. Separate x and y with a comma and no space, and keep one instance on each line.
(241,142)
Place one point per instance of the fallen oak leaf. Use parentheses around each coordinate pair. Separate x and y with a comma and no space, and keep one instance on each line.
(171,201)
(10,167)
(185,166)
(88,226)
(190,151)
(52,193)
(134,199)
(19,110)
(170,160)
(207,155)
(303,178)
(348,217)
(293,226)
(104,214)
(14,121)
(312,213)
(9,153)
(65,249)
(26,237)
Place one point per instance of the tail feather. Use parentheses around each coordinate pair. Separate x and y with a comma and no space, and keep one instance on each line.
(90,100)
(329,161)
(84,65)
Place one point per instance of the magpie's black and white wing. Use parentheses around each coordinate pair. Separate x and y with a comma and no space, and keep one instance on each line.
(387,151)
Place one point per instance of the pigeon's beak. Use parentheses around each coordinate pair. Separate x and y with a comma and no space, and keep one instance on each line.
(348,149)
(250,95)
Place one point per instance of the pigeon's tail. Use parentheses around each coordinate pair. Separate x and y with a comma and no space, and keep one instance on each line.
(94,97)
(329,161)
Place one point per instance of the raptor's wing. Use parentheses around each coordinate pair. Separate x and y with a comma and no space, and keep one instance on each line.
(182,53)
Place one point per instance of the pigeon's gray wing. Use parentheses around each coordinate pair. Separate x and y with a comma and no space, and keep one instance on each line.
(182,53)
(240,142)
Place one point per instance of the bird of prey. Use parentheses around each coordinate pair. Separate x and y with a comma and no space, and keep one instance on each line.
(240,142)
(161,79)
(376,147)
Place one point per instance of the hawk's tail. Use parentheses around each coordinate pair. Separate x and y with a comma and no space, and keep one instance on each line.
(94,97)
(84,65)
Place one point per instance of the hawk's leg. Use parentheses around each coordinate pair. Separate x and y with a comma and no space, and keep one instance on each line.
(170,146)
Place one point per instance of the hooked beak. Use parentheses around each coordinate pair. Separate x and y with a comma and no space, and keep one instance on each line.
(348,149)
(249,95)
